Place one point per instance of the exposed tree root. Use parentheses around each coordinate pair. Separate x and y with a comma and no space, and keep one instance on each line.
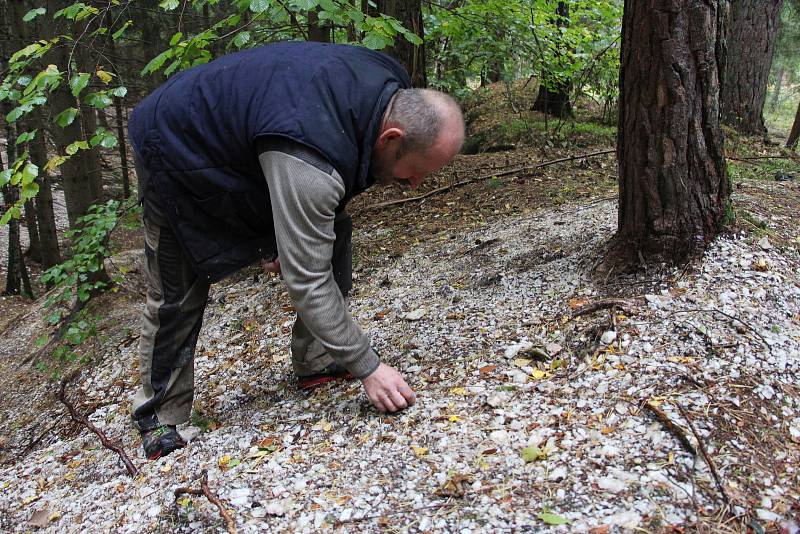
(80,419)
(205,490)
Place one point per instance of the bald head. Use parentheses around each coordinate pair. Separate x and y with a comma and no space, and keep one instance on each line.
(428,119)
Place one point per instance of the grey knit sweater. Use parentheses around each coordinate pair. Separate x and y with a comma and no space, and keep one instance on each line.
(304,197)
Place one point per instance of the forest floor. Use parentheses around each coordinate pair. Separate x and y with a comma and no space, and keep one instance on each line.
(542,405)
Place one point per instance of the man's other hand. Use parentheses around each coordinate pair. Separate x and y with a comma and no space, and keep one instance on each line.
(273,266)
(387,390)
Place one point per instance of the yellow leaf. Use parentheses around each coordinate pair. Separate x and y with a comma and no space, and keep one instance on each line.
(453,419)
(184,501)
(224,461)
(30,499)
(326,426)
(458,391)
(521,362)
(54,162)
(104,76)
(54,516)
(419,452)
(538,374)
(165,468)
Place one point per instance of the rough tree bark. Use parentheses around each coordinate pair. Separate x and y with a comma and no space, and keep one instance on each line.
(751,43)
(412,57)
(791,142)
(553,97)
(673,181)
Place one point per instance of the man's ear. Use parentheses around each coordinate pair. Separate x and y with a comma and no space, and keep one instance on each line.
(390,134)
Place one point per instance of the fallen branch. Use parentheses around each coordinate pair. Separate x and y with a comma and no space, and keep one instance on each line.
(486,177)
(204,490)
(387,514)
(707,458)
(604,304)
(82,420)
(729,316)
(674,429)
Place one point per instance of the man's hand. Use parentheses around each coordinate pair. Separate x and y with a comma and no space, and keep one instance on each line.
(387,390)
(273,266)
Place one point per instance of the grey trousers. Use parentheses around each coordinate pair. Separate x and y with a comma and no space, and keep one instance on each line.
(173,315)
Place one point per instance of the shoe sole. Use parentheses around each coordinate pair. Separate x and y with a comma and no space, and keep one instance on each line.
(310,383)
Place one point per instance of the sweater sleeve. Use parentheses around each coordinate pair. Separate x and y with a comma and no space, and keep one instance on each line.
(304,200)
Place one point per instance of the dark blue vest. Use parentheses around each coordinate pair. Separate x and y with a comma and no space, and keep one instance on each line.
(196,134)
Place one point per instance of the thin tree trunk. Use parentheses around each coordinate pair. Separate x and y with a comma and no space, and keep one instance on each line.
(34,251)
(751,43)
(791,142)
(777,92)
(553,97)
(412,57)
(673,181)
(318,31)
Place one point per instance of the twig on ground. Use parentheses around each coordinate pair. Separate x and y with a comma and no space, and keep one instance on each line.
(82,420)
(604,304)
(205,490)
(41,436)
(671,426)
(731,317)
(704,452)
(486,177)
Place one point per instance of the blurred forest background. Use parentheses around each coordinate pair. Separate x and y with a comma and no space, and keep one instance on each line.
(543,75)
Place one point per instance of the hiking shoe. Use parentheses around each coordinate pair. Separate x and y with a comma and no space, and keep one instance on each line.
(158,440)
(331,373)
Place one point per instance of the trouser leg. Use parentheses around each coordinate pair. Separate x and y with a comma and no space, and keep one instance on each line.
(308,354)
(171,321)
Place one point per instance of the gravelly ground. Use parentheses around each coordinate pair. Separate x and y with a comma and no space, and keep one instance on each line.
(526,416)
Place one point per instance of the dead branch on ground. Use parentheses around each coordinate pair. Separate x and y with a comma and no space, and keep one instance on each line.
(704,452)
(624,305)
(205,491)
(674,429)
(83,421)
(486,177)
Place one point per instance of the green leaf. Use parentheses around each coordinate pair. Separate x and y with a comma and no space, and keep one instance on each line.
(78,83)
(5,177)
(104,138)
(98,100)
(24,137)
(259,6)
(169,5)
(306,5)
(553,519)
(117,34)
(66,117)
(29,191)
(157,62)
(29,173)
(41,341)
(120,92)
(533,453)
(176,39)
(375,41)
(33,13)
(29,50)
(241,39)
(73,148)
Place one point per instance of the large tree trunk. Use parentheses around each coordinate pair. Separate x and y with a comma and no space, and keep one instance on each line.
(673,180)
(45,217)
(412,57)
(553,97)
(751,43)
(791,142)
(81,173)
